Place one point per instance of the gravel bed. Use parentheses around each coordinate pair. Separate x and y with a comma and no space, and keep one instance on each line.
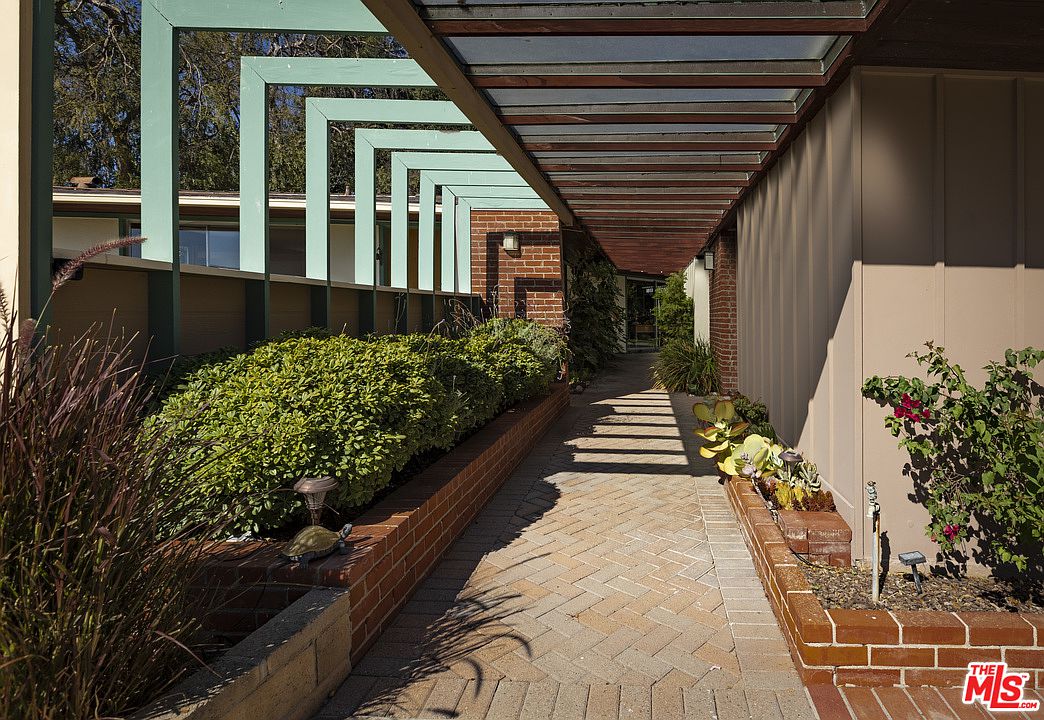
(850,588)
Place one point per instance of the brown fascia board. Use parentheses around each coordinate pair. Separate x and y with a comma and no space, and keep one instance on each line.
(401,20)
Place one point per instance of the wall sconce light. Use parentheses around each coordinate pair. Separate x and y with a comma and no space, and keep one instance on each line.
(708,261)
(511,243)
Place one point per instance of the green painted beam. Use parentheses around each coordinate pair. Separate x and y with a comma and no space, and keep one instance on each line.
(256,76)
(319,113)
(454,256)
(371,140)
(401,164)
(297,16)
(162,20)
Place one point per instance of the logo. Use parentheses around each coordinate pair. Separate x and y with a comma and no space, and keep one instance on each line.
(991,684)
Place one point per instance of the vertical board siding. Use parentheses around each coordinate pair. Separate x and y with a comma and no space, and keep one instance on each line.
(907,211)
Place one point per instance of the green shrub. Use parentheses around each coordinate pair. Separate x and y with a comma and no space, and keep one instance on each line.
(596,319)
(684,365)
(474,392)
(673,311)
(756,414)
(354,409)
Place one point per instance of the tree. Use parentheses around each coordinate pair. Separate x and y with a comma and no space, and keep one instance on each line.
(97,100)
(673,311)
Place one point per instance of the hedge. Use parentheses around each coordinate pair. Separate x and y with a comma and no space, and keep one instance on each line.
(354,409)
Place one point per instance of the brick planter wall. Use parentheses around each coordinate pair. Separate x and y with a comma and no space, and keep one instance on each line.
(823,537)
(395,544)
(528,283)
(723,329)
(878,647)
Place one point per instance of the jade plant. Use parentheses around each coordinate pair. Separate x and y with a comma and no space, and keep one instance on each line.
(721,436)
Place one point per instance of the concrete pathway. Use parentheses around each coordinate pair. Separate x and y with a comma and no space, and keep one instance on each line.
(607,579)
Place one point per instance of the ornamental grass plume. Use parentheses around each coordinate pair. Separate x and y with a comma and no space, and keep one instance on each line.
(97,614)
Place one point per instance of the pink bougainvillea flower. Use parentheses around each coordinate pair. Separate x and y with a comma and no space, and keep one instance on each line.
(906,400)
(925,414)
(899,412)
(951,531)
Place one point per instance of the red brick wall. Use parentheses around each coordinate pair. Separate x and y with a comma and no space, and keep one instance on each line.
(526,284)
(723,331)
(394,545)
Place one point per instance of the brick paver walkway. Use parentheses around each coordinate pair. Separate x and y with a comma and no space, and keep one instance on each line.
(607,579)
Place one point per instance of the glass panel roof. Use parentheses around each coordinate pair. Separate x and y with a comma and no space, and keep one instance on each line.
(576,96)
(612,128)
(644,48)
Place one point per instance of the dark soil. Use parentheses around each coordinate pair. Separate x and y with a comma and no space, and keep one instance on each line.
(850,588)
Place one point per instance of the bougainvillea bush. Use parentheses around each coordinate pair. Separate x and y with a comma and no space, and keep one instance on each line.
(976,455)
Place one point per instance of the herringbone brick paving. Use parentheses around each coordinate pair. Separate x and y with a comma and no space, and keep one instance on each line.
(606,579)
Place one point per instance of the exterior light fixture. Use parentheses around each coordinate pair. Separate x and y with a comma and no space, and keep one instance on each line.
(708,261)
(314,491)
(511,243)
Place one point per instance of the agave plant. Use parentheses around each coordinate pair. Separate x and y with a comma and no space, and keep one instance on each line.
(721,433)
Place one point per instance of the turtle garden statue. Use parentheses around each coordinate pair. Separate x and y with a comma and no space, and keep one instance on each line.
(315,541)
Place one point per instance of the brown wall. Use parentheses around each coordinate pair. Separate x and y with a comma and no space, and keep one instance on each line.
(525,284)
(907,211)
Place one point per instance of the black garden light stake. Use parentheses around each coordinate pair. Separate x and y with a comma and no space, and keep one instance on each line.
(911,560)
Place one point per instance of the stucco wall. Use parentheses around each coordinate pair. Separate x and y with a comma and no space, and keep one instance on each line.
(697,287)
(903,213)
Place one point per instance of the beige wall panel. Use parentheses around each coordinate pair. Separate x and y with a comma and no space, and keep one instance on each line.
(794,294)
(342,252)
(291,307)
(941,242)
(842,471)
(821,321)
(213,313)
(344,311)
(1033,310)
(80,233)
(414,314)
(898,138)
(1033,103)
(385,313)
(980,316)
(104,296)
(981,179)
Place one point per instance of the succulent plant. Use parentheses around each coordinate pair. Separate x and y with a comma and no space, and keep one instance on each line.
(719,436)
(757,457)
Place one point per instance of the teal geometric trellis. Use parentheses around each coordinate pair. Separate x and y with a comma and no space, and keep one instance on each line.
(319,113)
(162,20)
(429,180)
(368,141)
(257,74)
(401,164)
(260,73)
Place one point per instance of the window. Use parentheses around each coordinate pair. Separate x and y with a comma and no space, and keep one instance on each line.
(200,244)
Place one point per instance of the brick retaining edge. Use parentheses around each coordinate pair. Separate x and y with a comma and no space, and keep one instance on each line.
(878,647)
(394,545)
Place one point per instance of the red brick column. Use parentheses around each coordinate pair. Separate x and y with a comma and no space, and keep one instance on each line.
(527,283)
(723,331)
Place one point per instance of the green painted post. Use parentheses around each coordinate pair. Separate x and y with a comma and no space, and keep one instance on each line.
(451,253)
(370,140)
(402,163)
(161,22)
(42,160)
